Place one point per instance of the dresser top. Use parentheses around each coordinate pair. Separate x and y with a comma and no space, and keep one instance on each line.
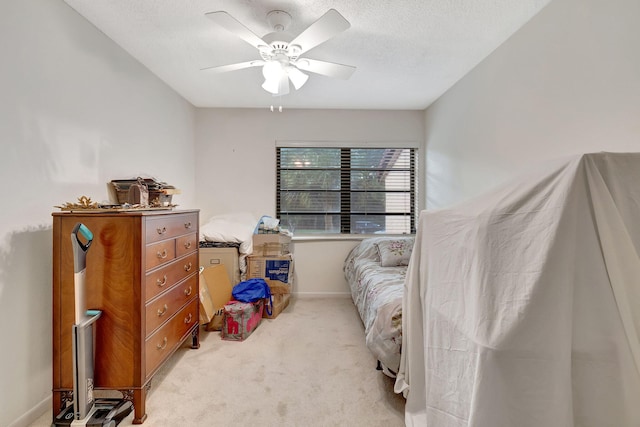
(131,212)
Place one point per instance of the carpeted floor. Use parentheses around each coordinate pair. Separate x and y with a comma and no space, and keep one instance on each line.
(307,367)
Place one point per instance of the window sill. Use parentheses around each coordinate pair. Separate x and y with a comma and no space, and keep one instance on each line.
(341,237)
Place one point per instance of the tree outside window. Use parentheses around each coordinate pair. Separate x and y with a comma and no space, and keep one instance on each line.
(346,190)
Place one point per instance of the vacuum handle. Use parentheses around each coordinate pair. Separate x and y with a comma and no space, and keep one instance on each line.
(80,248)
(91,317)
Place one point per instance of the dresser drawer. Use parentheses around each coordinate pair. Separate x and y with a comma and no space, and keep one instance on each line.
(162,343)
(160,253)
(167,227)
(186,244)
(162,279)
(166,305)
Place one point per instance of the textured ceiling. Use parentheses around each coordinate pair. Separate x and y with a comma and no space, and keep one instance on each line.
(407,52)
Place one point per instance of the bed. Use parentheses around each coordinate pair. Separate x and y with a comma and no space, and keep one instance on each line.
(375,270)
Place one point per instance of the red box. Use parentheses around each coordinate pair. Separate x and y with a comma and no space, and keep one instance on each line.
(240,319)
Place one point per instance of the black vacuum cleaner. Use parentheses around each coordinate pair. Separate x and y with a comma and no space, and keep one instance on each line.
(86,410)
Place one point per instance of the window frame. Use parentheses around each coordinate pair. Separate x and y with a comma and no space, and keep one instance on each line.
(345,214)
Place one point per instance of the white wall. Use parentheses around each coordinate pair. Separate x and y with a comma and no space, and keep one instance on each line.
(236,169)
(76,112)
(566,83)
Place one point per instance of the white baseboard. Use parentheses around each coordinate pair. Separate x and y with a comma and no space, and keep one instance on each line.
(305,295)
(33,414)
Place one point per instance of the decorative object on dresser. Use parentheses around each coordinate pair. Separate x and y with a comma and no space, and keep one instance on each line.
(143,271)
(128,191)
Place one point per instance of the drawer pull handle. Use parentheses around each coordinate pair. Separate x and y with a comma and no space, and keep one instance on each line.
(163,311)
(162,255)
(187,225)
(187,292)
(161,230)
(163,345)
(162,282)
(187,245)
(187,267)
(187,319)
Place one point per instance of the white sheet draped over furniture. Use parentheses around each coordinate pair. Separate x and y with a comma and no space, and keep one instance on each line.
(522,308)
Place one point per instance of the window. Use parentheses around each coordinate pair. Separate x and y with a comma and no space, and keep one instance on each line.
(346,190)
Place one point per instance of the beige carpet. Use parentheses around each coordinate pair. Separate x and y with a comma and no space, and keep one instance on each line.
(308,367)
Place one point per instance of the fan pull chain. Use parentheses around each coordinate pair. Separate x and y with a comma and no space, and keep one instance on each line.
(279,109)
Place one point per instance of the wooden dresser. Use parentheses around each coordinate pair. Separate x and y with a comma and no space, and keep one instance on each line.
(142,272)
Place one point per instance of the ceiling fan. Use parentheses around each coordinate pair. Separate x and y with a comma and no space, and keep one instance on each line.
(280,52)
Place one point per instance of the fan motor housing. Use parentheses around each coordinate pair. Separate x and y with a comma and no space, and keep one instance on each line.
(279,44)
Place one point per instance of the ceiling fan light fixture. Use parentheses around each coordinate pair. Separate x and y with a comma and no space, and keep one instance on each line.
(283,86)
(271,86)
(272,70)
(273,73)
(297,77)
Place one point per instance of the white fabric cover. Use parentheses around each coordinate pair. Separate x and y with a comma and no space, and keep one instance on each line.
(233,228)
(522,308)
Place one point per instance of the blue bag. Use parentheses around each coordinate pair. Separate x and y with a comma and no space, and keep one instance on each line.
(253,290)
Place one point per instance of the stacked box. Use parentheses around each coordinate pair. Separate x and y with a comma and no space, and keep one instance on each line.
(277,271)
(271,244)
(227,256)
(241,319)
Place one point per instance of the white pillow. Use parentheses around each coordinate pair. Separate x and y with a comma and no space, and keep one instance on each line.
(233,228)
(395,252)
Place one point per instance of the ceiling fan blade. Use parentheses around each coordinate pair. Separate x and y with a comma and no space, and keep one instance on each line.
(327,26)
(233,67)
(330,69)
(231,24)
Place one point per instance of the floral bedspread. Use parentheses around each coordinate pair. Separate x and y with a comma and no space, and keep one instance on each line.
(377,294)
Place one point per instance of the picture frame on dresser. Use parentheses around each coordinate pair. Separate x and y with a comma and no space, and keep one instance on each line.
(142,273)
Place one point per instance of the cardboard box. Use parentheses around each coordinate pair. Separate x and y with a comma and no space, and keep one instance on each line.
(280,302)
(206,302)
(218,287)
(277,271)
(271,244)
(241,319)
(270,249)
(228,257)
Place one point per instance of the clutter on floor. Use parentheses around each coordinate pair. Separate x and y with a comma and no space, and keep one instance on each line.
(266,255)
